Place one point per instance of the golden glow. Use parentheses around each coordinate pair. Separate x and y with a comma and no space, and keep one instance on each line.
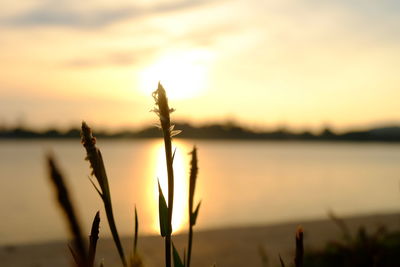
(179,216)
(263,65)
(183,75)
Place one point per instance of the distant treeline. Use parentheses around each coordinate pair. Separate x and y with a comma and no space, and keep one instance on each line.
(217,131)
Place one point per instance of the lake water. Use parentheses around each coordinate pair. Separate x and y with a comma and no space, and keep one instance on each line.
(239,183)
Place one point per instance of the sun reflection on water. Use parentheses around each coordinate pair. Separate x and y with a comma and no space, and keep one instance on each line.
(181,170)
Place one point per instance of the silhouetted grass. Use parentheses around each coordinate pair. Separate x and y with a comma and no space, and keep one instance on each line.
(78,248)
(380,249)
(136,260)
(82,257)
(94,236)
(298,258)
(192,213)
(98,170)
(163,112)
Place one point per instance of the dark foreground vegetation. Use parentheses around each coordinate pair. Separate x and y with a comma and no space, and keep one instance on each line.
(377,249)
(84,251)
(380,249)
(217,131)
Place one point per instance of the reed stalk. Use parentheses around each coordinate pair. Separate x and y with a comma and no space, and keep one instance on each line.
(98,170)
(192,213)
(135,260)
(163,112)
(135,239)
(298,260)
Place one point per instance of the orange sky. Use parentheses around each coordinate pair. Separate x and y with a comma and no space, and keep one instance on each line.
(303,64)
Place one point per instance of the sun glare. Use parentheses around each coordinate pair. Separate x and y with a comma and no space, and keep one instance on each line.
(179,216)
(183,75)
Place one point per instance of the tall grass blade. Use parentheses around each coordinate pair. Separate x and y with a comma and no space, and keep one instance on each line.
(98,170)
(94,236)
(135,239)
(177,259)
(136,260)
(162,212)
(67,207)
(96,188)
(74,256)
(193,217)
(342,225)
(298,260)
(281,261)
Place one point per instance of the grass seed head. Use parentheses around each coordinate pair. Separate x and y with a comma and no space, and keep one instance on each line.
(163,111)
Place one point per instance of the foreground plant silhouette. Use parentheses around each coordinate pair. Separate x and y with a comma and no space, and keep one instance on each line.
(163,111)
(78,248)
(86,258)
(192,213)
(379,250)
(99,171)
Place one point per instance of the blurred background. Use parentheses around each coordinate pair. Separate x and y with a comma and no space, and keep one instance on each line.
(294,106)
(299,64)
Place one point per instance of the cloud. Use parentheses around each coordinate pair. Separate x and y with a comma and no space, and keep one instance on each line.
(208,36)
(120,59)
(44,16)
(61,14)
(199,38)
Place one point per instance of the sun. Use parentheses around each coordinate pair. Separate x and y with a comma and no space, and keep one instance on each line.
(182,74)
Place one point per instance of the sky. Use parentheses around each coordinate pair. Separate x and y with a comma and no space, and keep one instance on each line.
(302,64)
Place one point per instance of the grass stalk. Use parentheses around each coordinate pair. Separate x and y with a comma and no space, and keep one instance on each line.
(163,111)
(298,260)
(135,260)
(192,213)
(135,239)
(98,170)
(94,236)
(79,248)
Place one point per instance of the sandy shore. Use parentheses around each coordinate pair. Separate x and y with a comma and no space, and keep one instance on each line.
(226,247)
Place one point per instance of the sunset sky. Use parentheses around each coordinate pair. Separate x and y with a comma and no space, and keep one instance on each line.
(300,64)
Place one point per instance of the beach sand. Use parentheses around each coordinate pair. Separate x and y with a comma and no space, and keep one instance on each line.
(226,247)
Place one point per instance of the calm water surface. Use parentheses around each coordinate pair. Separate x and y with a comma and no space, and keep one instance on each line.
(240,183)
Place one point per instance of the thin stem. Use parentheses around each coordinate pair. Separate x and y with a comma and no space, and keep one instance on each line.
(168,250)
(135,240)
(168,156)
(189,245)
(192,215)
(298,260)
